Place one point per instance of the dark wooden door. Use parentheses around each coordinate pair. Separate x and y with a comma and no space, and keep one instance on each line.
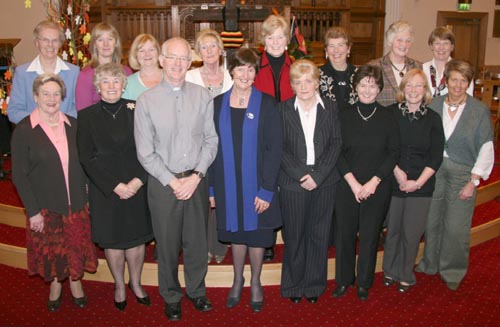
(470,29)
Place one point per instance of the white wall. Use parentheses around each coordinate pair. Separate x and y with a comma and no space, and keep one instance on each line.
(423,18)
(17,22)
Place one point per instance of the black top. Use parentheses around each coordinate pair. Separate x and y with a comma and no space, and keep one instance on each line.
(369,148)
(108,155)
(422,144)
(337,85)
(276,64)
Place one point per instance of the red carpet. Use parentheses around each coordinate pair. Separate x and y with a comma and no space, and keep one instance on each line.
(429,303)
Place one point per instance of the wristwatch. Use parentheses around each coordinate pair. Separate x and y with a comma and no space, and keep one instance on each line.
(200,174)
(475,182)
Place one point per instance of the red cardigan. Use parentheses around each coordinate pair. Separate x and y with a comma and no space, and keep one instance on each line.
(264,81)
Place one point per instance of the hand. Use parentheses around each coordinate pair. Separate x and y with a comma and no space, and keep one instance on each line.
(212,202)
(368,188)
(135,184)
(36,223)
(467,191)
(123,191)
(260,205)
(187,187)
(308,183)
(409,186)
(355,188)
(400,175)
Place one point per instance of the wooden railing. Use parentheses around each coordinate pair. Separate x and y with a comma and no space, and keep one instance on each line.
(177,19)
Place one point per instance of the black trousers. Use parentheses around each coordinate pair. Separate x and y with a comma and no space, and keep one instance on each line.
(180,225)
(307,217)
(366,218)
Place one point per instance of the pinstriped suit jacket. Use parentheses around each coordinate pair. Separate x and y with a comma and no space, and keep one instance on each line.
(387,96)
(327,146)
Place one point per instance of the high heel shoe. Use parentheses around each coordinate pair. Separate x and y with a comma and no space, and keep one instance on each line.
(121,305)
(141,300)
(233,301)
(256,305)
(54,305)
(80,302)
(404,288)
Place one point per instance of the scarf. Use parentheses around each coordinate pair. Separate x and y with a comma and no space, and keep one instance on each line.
(442,83)
(248,162)
(419,113)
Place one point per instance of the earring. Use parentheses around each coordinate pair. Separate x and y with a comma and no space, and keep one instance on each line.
(99,91)
(348,54)
(123,90)
(286,47)
(326,55)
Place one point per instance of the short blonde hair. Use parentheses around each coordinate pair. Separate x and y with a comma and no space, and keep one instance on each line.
(114,69)
(460,66)
(48,24)
(303,67)
(207,33)
(44,79)
(400,95)
(337,32)
(271,24)
(97,32)
(441,33)
(138,43)
(395,28)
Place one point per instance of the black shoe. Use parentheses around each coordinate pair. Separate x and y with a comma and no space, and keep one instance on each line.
(201,303)
(54,305)
(269,254)
(173,311)
(388,281)
(141,300)
(232,301)
(295,300)
(80,302)
(256,306)
(121,305)
(403,288)
(312,299)
(362,293)
(340,290)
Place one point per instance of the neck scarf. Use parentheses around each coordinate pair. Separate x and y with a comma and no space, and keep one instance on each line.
(442,83)
(419,113)
(248,162)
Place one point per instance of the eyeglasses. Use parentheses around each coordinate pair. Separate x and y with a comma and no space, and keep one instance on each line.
(415,86)
(174,58)
(47,41)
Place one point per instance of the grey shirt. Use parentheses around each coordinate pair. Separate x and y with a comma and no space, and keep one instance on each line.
(174,130)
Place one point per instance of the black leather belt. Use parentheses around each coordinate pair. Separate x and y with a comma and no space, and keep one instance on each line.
(183,174)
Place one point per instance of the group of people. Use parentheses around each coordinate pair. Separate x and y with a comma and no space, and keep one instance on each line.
(329,154)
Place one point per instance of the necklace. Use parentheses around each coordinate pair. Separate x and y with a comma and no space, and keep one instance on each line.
(401,71)
(241,99)
(365,118)
(454,106)
(112,114)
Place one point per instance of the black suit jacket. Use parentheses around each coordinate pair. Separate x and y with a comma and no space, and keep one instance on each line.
(327,146)
(37,172)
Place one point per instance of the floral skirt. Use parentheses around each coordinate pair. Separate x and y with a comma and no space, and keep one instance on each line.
(64,247)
